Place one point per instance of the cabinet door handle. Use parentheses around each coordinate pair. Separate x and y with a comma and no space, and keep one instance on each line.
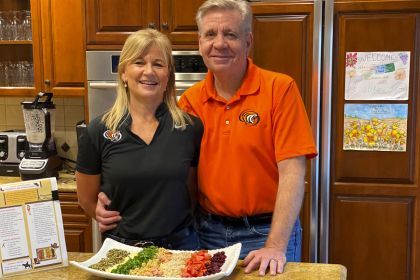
(165,26)
(152,25)
(47,82)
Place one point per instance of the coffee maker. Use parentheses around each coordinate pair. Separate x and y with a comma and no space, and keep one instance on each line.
(41,159)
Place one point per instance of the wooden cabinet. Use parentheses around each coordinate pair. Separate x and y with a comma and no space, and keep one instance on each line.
(283,43)
(56,52)
(77,225)
(109,22)
(374,202)
(63,47)
(177,20)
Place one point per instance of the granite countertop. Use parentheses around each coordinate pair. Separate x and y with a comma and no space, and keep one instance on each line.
(66,181)
(295,271)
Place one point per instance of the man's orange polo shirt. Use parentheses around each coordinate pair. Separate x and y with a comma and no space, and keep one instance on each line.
(244,138)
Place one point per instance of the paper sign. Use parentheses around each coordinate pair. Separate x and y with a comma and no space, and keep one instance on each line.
(31,227)
(377,75)
(375,127)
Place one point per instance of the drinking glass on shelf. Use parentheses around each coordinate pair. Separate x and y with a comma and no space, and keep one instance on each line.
(20,74)
(27,26)
(2,25)
(26,69)
(20,15)
(7,28)
(31,74)
(4,70)
(14,25)
(13,74)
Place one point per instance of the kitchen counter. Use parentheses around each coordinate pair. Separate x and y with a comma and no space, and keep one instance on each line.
(66,181)
(295,271)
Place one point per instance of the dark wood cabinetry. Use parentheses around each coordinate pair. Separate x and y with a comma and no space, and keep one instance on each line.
(283,43)
(56,50)
(77,225)
(374,202)
(109,22)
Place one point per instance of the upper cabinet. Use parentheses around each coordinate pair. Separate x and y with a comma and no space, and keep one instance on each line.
(109,22)
(42,47)
(63,46)
(283,41)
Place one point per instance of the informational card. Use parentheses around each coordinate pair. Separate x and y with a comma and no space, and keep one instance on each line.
(377,75)
(31,227)
(375,127)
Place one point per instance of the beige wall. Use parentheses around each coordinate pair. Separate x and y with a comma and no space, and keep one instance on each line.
(68,112)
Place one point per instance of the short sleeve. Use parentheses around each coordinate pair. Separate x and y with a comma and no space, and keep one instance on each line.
(291,128)
(185,105)
(88,156)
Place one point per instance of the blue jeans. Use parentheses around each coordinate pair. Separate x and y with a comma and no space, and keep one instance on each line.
(214,234)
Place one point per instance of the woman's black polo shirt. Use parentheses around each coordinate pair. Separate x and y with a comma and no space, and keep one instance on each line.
(146,183)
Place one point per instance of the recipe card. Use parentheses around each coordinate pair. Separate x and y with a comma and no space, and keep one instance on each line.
(31,227)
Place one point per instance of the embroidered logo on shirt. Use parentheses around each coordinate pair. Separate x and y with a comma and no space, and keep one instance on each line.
(114,136)
(249,117)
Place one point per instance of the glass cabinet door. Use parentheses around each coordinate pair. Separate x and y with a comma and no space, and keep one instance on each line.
(16,48)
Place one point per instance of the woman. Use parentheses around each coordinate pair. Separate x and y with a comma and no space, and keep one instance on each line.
(143,151)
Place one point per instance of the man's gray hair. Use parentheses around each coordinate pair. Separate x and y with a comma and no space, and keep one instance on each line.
(236,5)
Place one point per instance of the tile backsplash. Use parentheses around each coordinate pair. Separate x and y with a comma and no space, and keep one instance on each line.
(68,112)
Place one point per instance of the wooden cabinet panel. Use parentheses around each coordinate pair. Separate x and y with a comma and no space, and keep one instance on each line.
(374,225)
(283,43)
(109,22)
(63,47)
(383,34)
(76,238)
(77,225)
(108,25)
(177,20)
(284,52)
(372,236)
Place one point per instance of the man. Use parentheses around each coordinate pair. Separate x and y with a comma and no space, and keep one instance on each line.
(256,138)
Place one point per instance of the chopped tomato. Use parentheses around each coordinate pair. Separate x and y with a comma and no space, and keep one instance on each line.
(196,264)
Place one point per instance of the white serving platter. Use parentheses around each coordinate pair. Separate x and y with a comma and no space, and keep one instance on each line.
(232,256)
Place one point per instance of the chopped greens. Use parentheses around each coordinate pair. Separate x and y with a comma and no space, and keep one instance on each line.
(137,261)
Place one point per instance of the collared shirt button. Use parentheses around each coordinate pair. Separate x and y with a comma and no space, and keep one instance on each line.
(227,122)
(227,107)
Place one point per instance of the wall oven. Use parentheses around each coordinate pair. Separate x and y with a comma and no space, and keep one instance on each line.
(102,76)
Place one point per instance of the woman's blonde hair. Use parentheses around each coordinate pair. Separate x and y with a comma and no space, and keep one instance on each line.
(136,45)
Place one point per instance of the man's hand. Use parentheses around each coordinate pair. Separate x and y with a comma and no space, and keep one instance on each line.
(263,258)
(107,220)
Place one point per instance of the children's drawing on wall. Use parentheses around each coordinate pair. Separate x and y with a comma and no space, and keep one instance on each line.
(375,127)
(377,75)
